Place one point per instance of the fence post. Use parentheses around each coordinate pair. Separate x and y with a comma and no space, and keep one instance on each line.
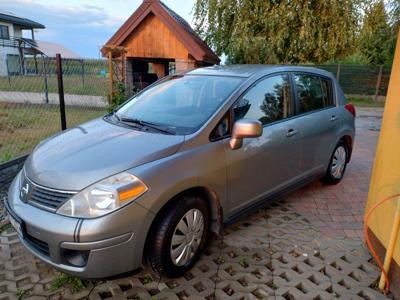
(8,70)
(338,72)
(82,73)
(378,83)
(61,91)
(46,85)
(36,65)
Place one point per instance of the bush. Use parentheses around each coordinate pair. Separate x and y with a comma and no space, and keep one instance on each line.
(119,95)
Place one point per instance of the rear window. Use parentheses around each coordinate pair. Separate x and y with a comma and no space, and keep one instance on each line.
(314,92)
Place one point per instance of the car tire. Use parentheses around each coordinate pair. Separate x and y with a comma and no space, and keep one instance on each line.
(337,164)
(170,250)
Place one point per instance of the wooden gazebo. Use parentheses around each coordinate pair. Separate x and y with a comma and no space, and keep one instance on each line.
(154,42)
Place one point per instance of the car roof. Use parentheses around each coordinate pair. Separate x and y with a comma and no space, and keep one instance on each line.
(250,70)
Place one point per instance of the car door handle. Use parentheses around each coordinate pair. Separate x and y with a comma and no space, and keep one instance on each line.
(334,118)
(291,132)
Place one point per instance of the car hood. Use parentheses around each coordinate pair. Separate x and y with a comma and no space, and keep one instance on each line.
(80,156)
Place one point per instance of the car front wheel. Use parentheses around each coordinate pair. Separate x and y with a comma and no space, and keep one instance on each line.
(178,236)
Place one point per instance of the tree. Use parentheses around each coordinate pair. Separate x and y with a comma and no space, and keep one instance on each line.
(374,42)
(394,13)
(277,31)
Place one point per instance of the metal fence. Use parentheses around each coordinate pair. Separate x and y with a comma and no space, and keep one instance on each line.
(30,106)
(361,80)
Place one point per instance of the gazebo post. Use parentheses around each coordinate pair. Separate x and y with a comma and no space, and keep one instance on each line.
(110,72)
(123,66)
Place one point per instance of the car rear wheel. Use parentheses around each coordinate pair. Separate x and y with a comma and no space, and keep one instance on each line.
(337,165)
(178,236)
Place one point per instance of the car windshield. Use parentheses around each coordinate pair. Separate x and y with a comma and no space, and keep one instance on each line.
(180,104)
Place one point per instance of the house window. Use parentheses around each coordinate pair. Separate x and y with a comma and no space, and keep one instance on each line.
(4,33)
(171,67)
(13,64)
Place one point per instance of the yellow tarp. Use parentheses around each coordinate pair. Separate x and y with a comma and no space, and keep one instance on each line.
(385,180)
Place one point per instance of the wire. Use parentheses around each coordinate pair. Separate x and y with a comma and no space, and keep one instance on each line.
(369,244)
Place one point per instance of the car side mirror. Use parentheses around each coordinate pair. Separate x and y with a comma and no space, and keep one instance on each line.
(244,128)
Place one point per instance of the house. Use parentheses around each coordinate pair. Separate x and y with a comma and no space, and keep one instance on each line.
(17,53)
(50,49)
(13,46)
(154,42)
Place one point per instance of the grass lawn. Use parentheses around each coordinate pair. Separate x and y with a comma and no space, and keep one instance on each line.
(73,84)
(366,102)
(23,126)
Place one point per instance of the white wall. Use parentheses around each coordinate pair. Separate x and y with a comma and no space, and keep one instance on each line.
(10,28)
(3,64)
(4,51)
(17,32)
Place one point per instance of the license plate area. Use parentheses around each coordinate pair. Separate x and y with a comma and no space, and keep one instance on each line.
(18,226)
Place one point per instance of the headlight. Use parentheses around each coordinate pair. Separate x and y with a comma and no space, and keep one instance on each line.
(104,196)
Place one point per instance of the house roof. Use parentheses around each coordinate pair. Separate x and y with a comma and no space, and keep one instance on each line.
(189,38)
(50,49)
(22,22)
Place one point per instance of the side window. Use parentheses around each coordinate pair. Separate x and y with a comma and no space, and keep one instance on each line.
(328,92)
(268,101)
(222,129)
(313,92)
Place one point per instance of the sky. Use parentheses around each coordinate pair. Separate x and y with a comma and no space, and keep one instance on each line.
(83,25)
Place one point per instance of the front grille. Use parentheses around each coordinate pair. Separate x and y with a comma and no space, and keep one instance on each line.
(42,197)
(48,198)
(38,245)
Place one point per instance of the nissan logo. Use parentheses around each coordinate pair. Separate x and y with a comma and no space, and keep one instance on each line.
(25,189)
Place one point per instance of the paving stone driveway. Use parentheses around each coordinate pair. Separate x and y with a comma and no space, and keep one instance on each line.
(339,210)
(305,246)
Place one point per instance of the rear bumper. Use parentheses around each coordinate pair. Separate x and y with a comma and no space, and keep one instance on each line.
(95,248)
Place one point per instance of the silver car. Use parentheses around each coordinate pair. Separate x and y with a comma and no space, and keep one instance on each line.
(146,184)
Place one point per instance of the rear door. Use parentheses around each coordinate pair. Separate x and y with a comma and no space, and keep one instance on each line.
(317,111)
(266,164)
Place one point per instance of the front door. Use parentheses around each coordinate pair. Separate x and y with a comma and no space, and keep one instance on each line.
(266,164)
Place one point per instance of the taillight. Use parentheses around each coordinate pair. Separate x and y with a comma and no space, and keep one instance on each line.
(350,107)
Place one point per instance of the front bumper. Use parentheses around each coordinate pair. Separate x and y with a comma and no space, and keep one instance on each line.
(89,248)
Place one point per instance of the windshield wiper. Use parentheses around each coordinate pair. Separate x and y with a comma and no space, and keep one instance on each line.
(151,125)
(116,115)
